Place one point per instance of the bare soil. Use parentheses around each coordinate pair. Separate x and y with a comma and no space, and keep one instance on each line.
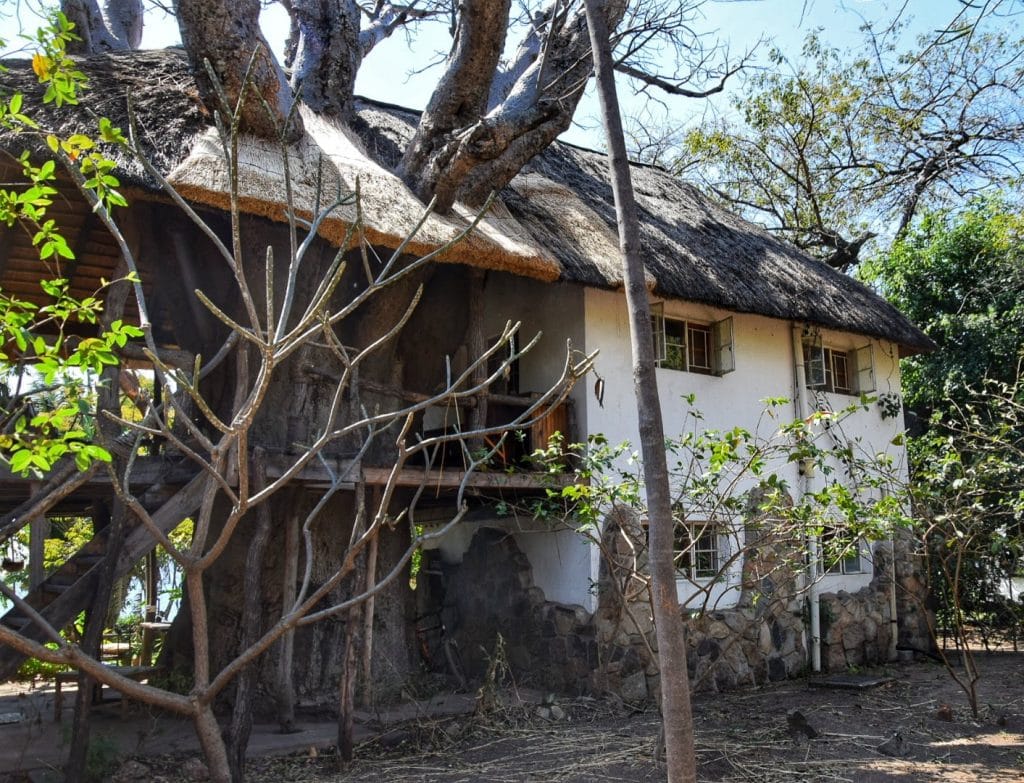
(741,736)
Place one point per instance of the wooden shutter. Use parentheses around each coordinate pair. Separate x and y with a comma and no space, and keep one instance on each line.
(658,327)
(864,369)
(724,360)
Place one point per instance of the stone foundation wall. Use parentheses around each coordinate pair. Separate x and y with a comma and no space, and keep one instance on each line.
(569,650)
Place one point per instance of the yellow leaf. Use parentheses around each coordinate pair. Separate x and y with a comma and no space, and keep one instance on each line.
(41,65)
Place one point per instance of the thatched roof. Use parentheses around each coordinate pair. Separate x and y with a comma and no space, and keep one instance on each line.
(555,221)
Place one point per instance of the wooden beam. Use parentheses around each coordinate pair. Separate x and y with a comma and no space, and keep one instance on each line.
(450,479)
(78,248)
(145,472)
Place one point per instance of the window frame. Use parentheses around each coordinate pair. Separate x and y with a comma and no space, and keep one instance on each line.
(841,567)
(690,558)
(822,365)
(682,337)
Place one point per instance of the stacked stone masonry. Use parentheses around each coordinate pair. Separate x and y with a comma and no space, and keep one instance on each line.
(613,650)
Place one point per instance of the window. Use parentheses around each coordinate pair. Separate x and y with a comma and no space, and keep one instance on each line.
(698,550)
(839,371)
(839,556)
(692,347)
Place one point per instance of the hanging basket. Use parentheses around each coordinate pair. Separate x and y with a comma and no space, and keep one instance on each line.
(11,565)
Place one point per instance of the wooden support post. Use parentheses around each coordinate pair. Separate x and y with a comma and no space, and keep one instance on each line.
(476,344)
(353,630)
(371,580)
(285,685)
(149,616)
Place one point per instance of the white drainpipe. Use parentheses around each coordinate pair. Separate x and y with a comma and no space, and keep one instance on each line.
(894,625)
(803,486)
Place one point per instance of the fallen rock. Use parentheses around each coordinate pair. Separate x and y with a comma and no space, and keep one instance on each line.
(799,727)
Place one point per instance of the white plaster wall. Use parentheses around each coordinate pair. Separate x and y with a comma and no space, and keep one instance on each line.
(564,564)
(553,310)
(764,368)
(869,433)
(561,563)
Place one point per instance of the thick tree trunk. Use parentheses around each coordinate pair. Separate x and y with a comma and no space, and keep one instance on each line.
(460,152)
(227,35)
(459,100)
(118,28)
(327,54)
(675,686)
(252,627)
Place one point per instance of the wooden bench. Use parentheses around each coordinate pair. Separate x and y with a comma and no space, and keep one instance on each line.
(137,673)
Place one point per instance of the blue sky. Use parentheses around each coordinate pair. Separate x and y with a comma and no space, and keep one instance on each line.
(388,73)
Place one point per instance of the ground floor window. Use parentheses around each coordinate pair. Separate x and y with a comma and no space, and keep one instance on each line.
(839,555)
(699,549)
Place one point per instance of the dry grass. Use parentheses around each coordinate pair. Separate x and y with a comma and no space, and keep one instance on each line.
(741,737)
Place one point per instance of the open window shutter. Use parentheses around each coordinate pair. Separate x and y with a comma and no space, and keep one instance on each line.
(658,327)
(725,355)
(814,364)
(864,369)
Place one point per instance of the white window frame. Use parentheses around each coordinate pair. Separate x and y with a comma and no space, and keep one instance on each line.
(856,562)
(700,558)
(720,343)
(821,362)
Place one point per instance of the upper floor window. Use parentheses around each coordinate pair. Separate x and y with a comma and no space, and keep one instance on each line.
(835,370)
(692,346)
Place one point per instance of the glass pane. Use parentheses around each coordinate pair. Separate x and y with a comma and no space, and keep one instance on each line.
(700,347)
(675,345)
(840,372)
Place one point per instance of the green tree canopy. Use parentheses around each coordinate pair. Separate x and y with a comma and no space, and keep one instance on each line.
(834,148)
(960,276)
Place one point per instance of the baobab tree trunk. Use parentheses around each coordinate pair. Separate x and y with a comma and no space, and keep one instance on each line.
(116,28)
(675,686)
(228,37)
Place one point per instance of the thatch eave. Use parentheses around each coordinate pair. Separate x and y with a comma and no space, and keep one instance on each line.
(554,221)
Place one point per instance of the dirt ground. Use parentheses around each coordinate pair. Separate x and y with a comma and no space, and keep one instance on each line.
(919,717)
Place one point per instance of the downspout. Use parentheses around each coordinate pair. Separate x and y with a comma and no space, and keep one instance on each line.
(803,486)
(894,625)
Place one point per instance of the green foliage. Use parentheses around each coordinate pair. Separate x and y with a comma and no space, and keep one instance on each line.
(734,476)
(969,492)
(960,276)
(35,669)
(835,147)
(46,382)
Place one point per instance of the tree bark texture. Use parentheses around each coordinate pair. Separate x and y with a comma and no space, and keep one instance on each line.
(458,101)
(251,627)
(117,28)
(462,153)
(675,687)
(327,54)
(227,35)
